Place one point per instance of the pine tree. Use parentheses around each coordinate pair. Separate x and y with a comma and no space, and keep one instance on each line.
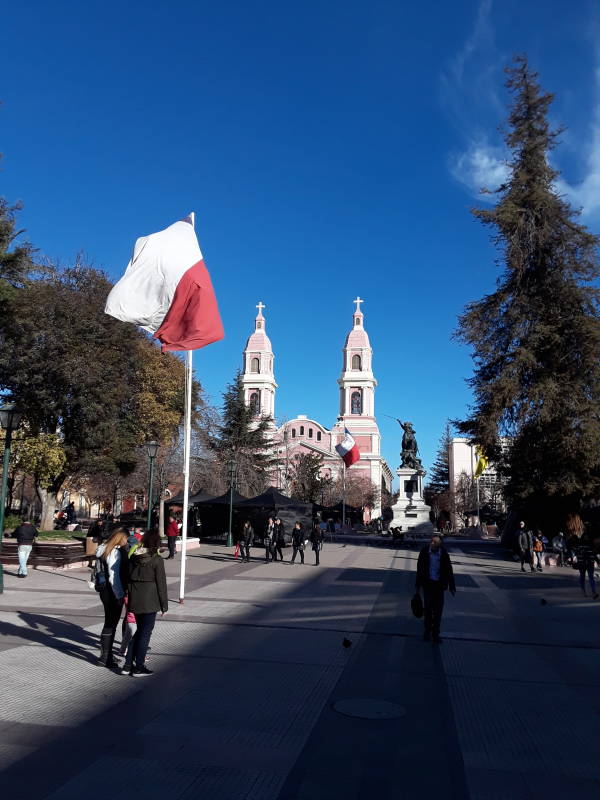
(245,440)
(536,339)
(439,478)
(307,484)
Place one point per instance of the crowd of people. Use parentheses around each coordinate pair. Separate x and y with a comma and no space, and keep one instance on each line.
(273,541)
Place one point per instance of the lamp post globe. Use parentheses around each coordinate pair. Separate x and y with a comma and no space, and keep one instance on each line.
(10,419)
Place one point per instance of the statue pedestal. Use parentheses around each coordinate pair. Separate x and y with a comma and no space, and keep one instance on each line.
(410,511)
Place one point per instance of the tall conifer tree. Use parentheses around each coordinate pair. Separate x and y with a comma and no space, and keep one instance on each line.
(536,339)
(439,478)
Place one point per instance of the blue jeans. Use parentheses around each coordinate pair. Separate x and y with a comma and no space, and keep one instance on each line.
(24,551)
(136,652)
(590,572)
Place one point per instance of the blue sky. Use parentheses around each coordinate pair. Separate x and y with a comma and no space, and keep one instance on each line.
(329,149)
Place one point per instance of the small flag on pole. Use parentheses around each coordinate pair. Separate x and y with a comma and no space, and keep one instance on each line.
(482,462)
(167,290)
(348,449)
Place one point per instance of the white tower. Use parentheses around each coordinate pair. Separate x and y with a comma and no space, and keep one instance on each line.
(258,377)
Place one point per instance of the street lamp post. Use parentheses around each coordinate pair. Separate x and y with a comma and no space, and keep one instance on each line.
(152,448)
(10,418)
(231,482)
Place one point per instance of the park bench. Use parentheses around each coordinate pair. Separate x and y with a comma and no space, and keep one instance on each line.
(46,554)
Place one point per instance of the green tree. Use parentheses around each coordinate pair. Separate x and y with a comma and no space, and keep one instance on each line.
(306,481)
(439,477)
(245,439)
(536,339)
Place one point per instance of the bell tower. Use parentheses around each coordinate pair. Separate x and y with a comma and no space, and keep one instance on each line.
(258,377)
(357,382)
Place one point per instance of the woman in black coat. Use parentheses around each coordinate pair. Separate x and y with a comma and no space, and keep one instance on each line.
(147,596)
(278,539)
(298,542)
(246,539)
(316,538)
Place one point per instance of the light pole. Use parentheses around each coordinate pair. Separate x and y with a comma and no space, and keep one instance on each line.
(10,418)
(152,448)
(231,482)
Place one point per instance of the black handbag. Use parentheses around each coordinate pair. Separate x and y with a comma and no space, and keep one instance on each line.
(416,605)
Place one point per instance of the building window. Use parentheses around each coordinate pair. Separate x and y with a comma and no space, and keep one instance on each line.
(310,433)
(255,403)
(356,402)
(356,362)
(293,433)
(318,436)
(356,321)
(255,365)
(258,325)
(301,430)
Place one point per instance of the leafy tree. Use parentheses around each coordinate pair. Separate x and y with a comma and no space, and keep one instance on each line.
(245,439)
(307,483)
(439,478)
(536,339)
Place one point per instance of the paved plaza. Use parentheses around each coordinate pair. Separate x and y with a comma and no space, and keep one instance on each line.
(256,698)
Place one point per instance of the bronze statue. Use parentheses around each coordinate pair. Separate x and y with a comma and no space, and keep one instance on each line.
(410,448)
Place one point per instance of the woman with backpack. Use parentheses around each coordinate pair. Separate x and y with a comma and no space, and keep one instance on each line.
(147,596)
(110,578)
(298,542)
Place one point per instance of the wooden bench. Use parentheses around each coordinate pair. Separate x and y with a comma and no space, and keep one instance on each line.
(46,554)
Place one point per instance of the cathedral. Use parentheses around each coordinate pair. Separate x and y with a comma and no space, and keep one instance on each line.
(301,434)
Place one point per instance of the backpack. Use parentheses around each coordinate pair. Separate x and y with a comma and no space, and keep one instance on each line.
(101,580)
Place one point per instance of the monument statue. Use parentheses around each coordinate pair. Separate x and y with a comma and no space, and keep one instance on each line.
(410,449)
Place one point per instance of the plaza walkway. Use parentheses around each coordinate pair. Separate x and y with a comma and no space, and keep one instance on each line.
(255,698)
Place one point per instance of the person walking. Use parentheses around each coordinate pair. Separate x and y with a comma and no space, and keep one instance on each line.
(268,539)
(585,561)
(525,542)
(435,576)
(559,545)
(147,596)
(538,550)
(246,539)
(25,535)
(316,539)
(111,566)
(172,534)
(298,542)
(278,539)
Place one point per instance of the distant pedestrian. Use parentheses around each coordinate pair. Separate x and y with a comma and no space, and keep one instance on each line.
(585,562)
(268,538)
(25,535)
(278,539)
(246,539)
(111,564)
(434,576)
(147,596)
(172,534)
(525,542)
(316,539)
(538,550)
(298,543)
(70,511)
(559,545)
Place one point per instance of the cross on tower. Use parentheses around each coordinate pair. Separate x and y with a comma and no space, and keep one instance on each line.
(358,301)
(260,307)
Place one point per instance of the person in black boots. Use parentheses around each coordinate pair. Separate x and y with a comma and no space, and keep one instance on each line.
(268,539)
(298,542)
(278,539)
(172,534)
(147,596)
(434,576)
(525,542)
(316,538)
(25,535)
(246,539)
(111,572)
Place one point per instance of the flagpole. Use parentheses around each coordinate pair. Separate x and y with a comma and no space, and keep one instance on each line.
(343,494)
(187,431)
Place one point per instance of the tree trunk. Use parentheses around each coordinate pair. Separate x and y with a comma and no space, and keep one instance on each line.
(49,505)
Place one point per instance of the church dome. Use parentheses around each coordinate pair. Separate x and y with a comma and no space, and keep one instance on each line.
(258,340)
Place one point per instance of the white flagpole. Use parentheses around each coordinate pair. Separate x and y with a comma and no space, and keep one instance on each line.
(187,430)
(344,495)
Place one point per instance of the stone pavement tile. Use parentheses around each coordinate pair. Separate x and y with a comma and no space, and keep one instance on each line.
(9,753)
(488,660)
(490,784)
(242,590)
(18,599)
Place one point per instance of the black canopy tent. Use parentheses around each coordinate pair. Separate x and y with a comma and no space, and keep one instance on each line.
(214,513)
(199,497)
(273,503)
(336,512)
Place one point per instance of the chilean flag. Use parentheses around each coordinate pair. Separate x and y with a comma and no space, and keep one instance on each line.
(348,449)
(167,290)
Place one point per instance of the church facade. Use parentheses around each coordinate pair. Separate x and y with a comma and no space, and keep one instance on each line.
(301,435)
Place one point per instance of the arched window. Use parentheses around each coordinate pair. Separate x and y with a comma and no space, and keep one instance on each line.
(318,436)
(310,433)
(255,365)
(301,430)
(293,433)
(356,362)
(255,403)
(356,402)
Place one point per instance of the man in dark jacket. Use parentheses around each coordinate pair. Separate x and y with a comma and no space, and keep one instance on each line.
(25,535)
(525,542)
(434,576)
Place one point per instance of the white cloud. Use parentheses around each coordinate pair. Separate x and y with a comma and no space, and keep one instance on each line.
(480,166)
